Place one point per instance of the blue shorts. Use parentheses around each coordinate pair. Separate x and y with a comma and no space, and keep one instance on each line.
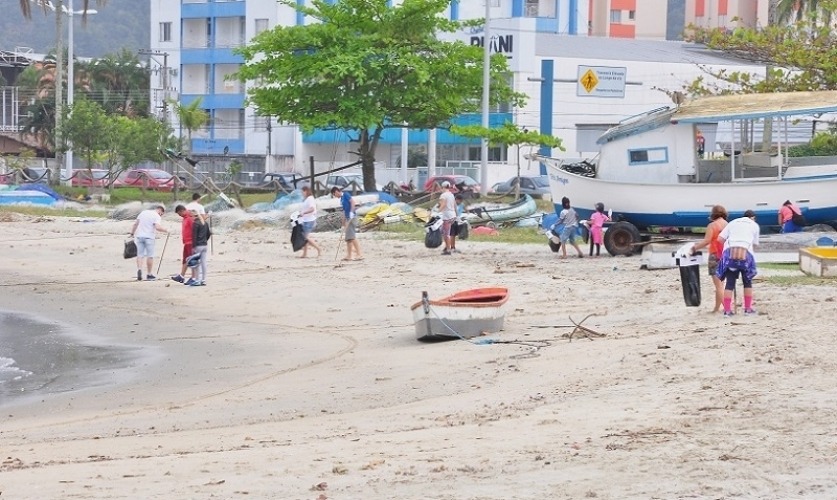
(145,247)
(307,227)
(568,234)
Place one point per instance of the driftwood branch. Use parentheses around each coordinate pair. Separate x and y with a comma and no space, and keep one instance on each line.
(589,333)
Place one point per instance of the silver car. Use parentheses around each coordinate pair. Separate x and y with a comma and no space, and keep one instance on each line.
(535,186)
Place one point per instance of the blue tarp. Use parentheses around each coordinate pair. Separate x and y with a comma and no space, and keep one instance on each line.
(42,188)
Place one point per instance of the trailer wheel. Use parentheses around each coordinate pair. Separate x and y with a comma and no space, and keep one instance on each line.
(554,246)
(619,239)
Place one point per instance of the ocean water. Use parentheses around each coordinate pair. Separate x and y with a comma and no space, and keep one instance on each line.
(39,358)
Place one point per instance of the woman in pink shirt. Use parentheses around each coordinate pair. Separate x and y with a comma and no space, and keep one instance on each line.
(786,214)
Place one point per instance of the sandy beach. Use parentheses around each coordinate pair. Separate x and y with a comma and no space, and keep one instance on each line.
(287,378)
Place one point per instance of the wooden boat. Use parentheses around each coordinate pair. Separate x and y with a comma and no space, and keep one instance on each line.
(479,215)
(650,172)
(463,315)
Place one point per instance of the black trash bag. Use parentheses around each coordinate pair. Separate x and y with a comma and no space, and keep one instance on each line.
(462,230)
(298,240)
(433,233)
(690,280)
(130,250)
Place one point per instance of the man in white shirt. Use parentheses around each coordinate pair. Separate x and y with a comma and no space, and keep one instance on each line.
(144,231)
(447,206)
(740,237)
(195,206)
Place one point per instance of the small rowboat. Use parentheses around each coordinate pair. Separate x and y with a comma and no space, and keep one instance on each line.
(463,315)
(494,213)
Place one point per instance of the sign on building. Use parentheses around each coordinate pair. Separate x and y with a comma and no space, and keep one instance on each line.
(601,81)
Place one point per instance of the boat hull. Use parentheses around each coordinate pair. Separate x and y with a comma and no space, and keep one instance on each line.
(525,207)
(689,204)
(466,314)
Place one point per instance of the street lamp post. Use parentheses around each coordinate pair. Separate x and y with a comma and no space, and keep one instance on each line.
(68,167)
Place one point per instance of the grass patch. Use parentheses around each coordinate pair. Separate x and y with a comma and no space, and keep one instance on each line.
(801,279)
(777,266)
(415,232)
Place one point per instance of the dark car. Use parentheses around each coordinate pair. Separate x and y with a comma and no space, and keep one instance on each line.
(537,186)
(36,174)
(285,181)
(460,184)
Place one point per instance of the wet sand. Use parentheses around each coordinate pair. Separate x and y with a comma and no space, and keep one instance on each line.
(290,378)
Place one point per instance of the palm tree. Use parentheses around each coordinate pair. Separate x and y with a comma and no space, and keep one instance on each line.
(797,10)
(120,83)
(58,5)
(191,117)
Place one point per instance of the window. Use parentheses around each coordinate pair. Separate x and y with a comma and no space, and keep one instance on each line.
(531,8)
(647,156)
(261,25)
(616,16)
(632,15)
(165,32)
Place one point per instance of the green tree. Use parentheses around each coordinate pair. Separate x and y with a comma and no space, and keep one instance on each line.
(365,66)
(38,120)
(89,129)
(120,83)
(133,140)
(798,10)
(191,117)
(800,56)
(509,134)
(26,8)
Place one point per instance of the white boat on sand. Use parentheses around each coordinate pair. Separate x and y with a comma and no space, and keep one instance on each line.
(463,315)
(650,173)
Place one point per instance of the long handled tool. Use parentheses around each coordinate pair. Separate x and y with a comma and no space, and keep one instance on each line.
(160,263)
(340,241)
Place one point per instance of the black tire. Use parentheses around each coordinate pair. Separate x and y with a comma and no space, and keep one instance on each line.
(620,238)
(554,246)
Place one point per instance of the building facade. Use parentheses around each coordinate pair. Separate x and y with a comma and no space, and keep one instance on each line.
(193,45)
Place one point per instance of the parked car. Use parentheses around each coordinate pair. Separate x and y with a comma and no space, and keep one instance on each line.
(36,174)
(460,184)
(537,186)
(152,178)
(345,180)
(96,177)
(286,181)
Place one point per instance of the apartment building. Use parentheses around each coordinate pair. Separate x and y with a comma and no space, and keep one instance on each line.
(667,19)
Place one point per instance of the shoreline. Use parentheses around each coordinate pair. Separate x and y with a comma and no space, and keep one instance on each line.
(291,378)
(50,358)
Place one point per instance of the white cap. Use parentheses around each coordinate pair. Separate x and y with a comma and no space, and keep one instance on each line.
(445,184)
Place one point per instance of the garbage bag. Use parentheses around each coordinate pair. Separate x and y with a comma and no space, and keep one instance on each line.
(298,239)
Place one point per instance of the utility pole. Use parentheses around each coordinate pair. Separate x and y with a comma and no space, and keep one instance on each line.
(59,90)
(164,78)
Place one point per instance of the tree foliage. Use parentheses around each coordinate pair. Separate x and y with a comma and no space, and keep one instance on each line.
(192,117)
(88,129)
(509,134)
(118,141)
(801,56)
(365,66)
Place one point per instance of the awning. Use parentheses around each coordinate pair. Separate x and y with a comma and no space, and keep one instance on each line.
(747,106)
